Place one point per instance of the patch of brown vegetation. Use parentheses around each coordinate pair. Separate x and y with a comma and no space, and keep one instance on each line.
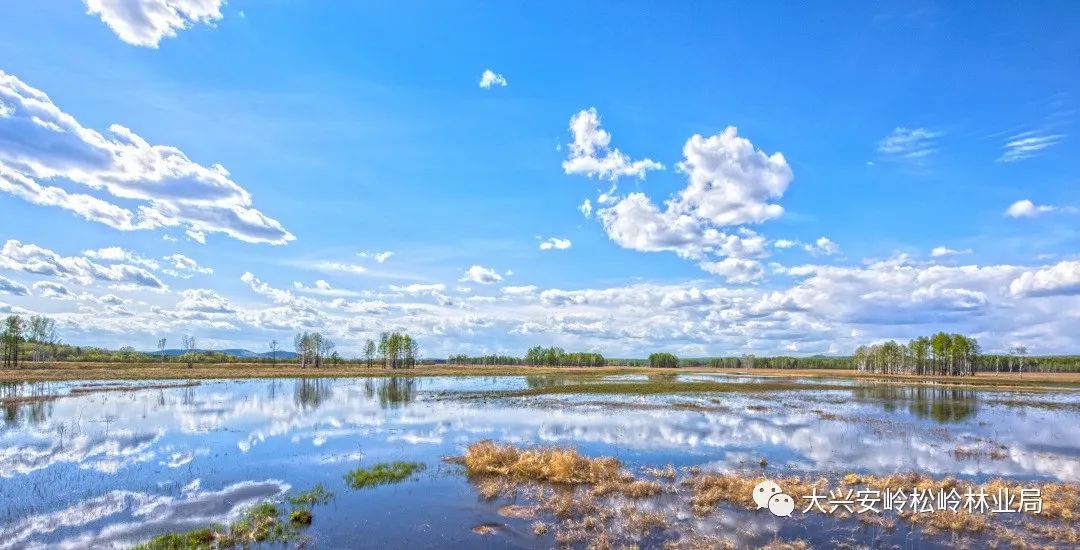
(710,489)
(518,511)
(539,528)
(485,529)
(699,542)
(641,522)
(549,464)
(667,472)
(798,544)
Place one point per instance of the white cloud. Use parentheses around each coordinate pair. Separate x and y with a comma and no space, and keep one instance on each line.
(53,290)
(519,290)
(117,254)
(823,247)
(146,22)
(38,141)
(379,257)
(490,78)
(1057,280)
(184,267)
(944,251)
(909,144)
(555,243)
(482,275)
(784,243)
(204,300)
(419,288)
(1026,144)
(590,154)
(730,182)
(355,269)
(735,270)
(586,209)
(7,286)
(30,258)
(1027,209)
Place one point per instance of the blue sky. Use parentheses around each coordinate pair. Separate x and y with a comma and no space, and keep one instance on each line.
(838,145)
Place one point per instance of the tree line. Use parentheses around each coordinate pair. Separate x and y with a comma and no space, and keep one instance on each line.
(38,333)
(557,357)
(941,354)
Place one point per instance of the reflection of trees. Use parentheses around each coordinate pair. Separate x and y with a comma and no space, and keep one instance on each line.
(939,404)
(21,401)
(392,392)
(311,393)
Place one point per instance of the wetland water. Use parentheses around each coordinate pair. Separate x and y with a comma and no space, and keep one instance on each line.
(95,464)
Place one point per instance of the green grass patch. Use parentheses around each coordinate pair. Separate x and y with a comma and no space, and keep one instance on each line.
(316,495)
(262,523)
(383,473)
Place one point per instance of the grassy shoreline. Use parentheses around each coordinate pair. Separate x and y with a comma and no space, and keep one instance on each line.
(113,371)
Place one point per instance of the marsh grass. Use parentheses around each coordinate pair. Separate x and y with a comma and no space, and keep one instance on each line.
(262,523)
(258,525)
(316,495)
(598,504)
(384,473)
(707,490)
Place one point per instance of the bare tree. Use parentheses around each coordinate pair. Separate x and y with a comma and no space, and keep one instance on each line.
(189,349)
(273,351)
(161,349)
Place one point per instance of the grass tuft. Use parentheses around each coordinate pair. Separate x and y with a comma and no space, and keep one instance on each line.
(384,473)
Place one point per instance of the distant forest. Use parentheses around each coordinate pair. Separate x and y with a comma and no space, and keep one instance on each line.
(35,339)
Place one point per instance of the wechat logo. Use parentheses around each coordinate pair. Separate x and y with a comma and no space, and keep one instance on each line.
(768,494)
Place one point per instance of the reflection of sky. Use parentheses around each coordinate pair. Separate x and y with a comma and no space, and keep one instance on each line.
(132,464)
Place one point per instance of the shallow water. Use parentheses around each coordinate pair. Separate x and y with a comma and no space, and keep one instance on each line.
(101,465)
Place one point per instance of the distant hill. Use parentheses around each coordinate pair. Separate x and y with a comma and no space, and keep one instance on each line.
(241,353)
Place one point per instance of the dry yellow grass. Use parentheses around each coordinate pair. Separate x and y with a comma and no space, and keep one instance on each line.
(710,489)
(548,464)
(1059,500)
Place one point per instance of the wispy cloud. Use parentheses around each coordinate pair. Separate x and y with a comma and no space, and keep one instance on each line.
(912,145)
(1027,144)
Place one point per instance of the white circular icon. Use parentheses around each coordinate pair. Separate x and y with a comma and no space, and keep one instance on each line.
(781,504)
(764,491)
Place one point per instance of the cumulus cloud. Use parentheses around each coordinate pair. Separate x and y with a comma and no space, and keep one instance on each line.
(730,183)
(1027,209)
(1027,144)
(30,258)
(204,300)
(117,254)
(909,144)
(490,78)
(481,275)
(591,154)
(1057,280)
(39,141)
(7,286)
(146,22)
(555,243)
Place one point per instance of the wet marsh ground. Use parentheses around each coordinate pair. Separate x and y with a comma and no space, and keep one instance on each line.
(617,457)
